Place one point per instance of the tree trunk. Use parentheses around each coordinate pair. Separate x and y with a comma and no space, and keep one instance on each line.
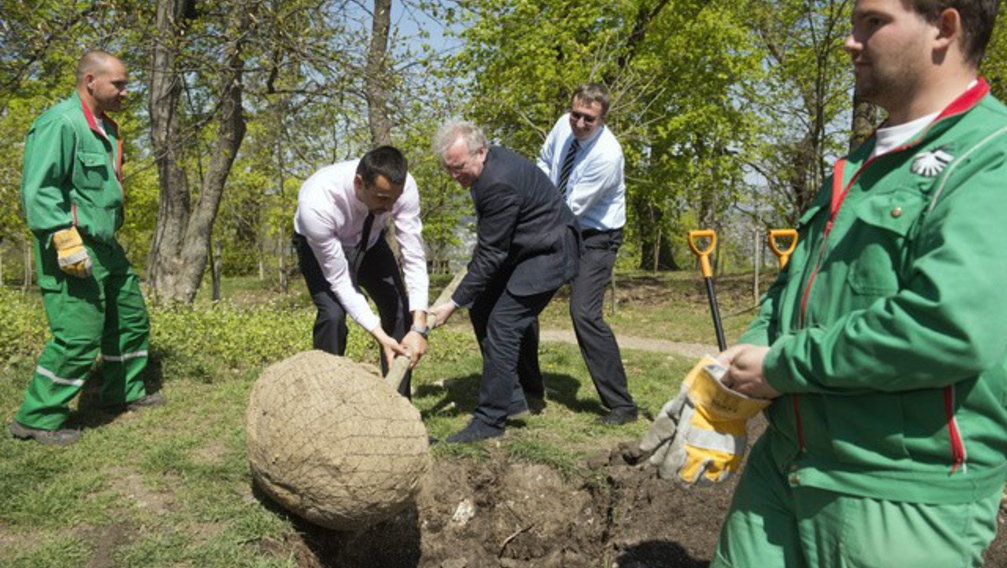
(375,76)
(655,252)
(181,245)
(865,117)
(170,24)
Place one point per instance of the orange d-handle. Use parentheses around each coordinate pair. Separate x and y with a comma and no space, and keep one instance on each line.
(704,261)
(782,255)
(703,254)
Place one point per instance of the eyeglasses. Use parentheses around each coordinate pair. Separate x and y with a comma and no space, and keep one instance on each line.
(588,119)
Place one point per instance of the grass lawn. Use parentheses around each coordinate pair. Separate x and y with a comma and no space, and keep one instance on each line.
(170,486)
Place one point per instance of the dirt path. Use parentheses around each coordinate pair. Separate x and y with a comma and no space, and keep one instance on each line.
(641,343)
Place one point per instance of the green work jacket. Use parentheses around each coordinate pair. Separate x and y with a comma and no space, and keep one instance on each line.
(72,173)
(888,327)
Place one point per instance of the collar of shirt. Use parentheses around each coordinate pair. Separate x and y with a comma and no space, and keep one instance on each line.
(584,144)
(891,137)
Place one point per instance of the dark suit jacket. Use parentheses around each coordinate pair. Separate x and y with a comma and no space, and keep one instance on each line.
(526,232)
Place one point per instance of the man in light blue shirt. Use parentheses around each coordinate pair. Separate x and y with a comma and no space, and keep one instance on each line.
(584,160)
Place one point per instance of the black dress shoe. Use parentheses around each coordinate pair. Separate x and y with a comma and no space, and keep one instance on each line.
(619,416)
(475,432)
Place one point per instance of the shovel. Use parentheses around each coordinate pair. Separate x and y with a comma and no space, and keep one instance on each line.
(704,264)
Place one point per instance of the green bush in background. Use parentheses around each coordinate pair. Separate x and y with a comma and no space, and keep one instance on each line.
(202,341)
(208,342)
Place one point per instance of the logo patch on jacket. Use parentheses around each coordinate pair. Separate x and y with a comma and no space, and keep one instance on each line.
(929,164)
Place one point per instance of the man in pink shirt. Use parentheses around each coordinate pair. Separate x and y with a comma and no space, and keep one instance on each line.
(341,212)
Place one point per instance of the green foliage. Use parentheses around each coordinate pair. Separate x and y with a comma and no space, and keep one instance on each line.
(190,341)
(24,326)
(803,100)
(200,341)
(994,66)
(674,70)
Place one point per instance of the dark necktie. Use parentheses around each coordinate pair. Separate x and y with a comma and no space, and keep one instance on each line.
(365,236)
(564,172)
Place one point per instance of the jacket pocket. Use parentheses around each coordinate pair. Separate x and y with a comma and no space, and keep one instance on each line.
(877,254)
(91,170)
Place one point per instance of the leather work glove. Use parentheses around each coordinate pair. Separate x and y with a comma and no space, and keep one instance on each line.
(700,435)
(71,254)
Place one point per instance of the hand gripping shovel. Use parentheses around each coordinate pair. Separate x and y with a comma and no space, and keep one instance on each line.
(704,263)
(399,367)
(782,255)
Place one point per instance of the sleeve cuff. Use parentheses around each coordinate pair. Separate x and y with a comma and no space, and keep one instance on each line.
(778,372)
(418,303)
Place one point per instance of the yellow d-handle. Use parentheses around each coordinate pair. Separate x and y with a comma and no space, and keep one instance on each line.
(782,255)
(704,255)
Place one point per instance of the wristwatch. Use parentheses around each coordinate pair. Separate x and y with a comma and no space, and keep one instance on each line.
(421,329)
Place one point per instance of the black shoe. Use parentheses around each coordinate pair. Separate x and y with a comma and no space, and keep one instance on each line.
(519,412)
(536,404)
(147,401)
(475,432)
(63,437)
(533,407)
(619,416)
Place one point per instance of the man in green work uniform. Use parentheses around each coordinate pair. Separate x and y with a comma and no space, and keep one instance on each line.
(71,191)
(883,344)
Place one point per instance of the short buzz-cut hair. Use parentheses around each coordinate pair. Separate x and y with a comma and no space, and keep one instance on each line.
(592,93)
(977,17)
(385,161)
(93,62)
(454,129)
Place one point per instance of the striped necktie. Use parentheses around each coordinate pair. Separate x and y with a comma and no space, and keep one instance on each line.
(564,172)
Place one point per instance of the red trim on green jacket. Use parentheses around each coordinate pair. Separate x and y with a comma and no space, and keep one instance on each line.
(93,124)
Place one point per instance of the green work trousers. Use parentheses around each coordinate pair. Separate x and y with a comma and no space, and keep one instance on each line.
(773,523)
(102,315)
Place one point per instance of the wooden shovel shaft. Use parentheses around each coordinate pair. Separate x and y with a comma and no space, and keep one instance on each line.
(400,366)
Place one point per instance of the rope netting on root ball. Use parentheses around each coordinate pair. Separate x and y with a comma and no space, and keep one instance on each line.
(331,442)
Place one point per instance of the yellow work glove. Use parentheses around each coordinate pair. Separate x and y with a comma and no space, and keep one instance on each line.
(71,254)
(700,435)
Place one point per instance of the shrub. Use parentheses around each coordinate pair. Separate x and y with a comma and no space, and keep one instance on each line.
(198,341)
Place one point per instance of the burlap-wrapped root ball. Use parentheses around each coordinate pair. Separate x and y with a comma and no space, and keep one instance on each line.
(333,443)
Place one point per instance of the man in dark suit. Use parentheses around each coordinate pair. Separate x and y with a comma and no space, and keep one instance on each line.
(528,246)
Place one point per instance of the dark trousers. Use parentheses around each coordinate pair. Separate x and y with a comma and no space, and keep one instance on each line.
(378,274)
(502,322)
(595,338)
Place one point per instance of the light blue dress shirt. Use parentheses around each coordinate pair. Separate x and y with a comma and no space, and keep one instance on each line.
(596,189)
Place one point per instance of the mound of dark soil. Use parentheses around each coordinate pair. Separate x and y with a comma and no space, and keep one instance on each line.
(495,513)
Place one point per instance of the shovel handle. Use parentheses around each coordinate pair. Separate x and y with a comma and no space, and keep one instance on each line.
(703,254)
(397,371)
(704,262)
(782,254)
(447,292)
